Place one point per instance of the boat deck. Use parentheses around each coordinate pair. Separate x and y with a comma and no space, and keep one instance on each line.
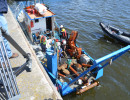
(48,13)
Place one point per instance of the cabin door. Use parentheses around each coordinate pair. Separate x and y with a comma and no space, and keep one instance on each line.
(48,23)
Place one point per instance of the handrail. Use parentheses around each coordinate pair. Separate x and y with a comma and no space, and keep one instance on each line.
(7,77)
(18,9)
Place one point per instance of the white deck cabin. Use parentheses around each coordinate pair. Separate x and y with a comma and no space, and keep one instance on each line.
(36,22)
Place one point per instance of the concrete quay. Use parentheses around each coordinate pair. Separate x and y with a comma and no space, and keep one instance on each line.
(34,85)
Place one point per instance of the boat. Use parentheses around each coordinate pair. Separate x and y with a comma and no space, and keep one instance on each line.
(115,33)
(71,69)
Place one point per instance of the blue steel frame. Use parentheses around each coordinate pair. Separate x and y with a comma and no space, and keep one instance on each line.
(65,88)
(112,56)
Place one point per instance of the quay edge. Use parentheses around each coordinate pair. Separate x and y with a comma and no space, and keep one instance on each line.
(35,85)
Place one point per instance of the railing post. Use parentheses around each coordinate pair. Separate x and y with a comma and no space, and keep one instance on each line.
(6,74)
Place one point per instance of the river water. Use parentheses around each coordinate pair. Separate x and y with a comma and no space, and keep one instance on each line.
(84,16)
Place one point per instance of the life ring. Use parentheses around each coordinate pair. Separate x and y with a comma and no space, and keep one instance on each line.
(29,29)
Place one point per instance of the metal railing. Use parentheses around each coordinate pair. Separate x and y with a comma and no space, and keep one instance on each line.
(18,9)
(7,76)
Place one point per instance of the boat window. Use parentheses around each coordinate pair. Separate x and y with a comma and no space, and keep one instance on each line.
(36,20)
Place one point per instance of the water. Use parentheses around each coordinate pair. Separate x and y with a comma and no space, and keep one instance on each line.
(84,16)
